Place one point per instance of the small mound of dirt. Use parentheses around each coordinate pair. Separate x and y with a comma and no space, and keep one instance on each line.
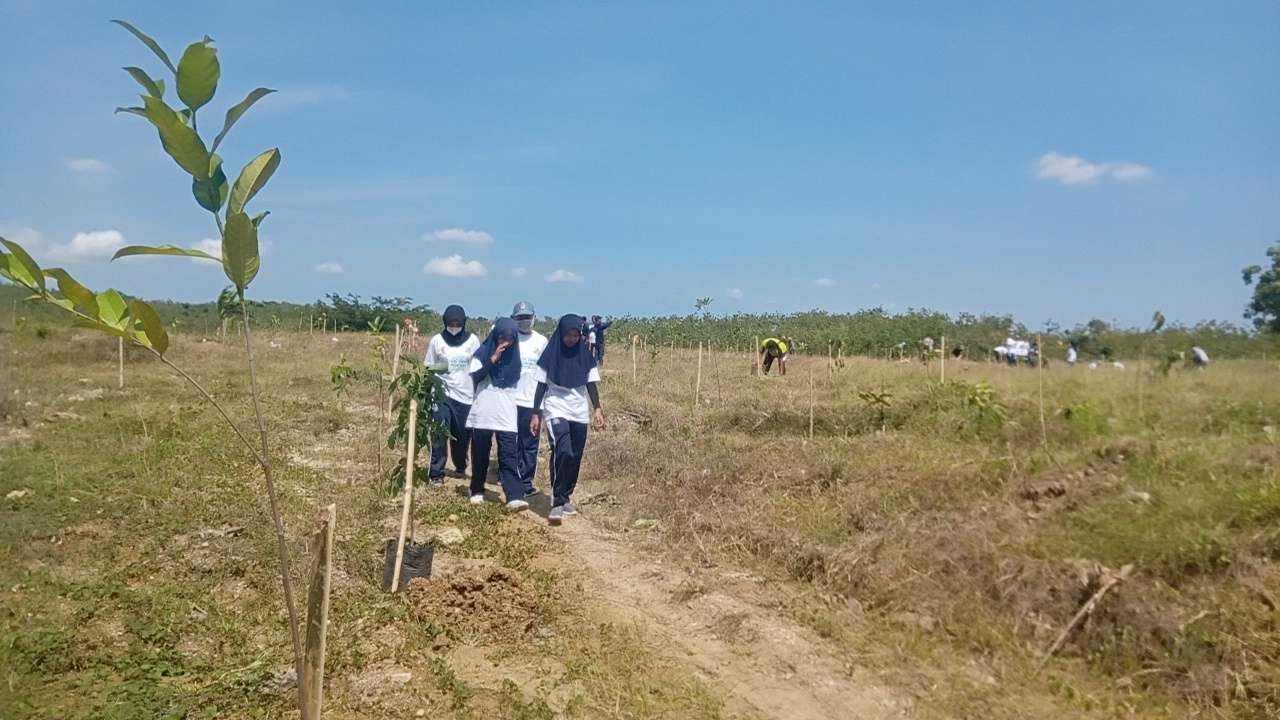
(489,600)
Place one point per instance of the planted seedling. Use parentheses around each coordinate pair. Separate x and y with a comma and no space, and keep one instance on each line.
(195,80)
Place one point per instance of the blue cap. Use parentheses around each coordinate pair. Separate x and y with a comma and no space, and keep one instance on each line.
(523,308)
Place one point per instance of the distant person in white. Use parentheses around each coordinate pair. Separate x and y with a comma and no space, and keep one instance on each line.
(568,390)
(453,349)
(532,343)
(1199,357)
(1073,353)
(495,370)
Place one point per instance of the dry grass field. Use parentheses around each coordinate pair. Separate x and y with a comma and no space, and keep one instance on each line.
(916,557)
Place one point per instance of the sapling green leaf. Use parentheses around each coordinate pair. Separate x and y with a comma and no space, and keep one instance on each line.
(154,88)
(240,250)
(146,40)
(22,268)
(211,192)
(180,141)
(235,112)
(112,309)
(152,328)
(252,178)
(257,219)
(81,297)
(140,112)
(198,73)
(162,250)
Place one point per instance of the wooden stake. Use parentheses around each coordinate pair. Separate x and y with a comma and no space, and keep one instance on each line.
(756,350)
(697,387)
(120,349)
(312,680)
(410,452)
(633,359)
(311,324)
(1085,611)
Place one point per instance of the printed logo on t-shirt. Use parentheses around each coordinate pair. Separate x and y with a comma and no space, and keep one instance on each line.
(459,364)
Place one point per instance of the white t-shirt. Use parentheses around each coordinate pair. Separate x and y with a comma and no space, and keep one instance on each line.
(1071,355)
(572,404)
(494,408)
(457,383)
(531,347)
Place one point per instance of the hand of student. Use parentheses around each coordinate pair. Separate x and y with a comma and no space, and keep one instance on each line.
(503,344)
(599,419)
(535,424)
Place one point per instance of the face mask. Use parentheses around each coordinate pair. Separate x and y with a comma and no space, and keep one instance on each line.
(453,330)
(524,325)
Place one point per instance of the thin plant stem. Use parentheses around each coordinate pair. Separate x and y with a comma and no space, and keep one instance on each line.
(264,460)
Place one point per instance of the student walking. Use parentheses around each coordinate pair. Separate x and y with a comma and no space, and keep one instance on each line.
(495,370)
(567,399)
(453,348)
(532,343)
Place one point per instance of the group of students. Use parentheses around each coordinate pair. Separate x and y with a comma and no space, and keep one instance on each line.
(509,386)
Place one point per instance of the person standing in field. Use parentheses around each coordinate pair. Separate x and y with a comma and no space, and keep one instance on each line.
(495,370)
(567,400)
(775,349)
(452,348)
(1073,353)
(598,326)
(532,343)
(1199,357)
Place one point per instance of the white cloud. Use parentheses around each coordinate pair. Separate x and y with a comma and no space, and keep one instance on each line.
(562,276)
(824,282)
(735,293)
(212,246)
(460,235)
(519,272)
(317,95)
(329,267)
(1130,172)
(454,266)
(91,245)
(88,166)
(1075,170)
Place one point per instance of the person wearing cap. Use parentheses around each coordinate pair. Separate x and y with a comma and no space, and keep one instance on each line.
(532,343)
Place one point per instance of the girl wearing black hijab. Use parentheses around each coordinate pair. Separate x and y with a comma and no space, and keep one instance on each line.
(495,369)
(452,347)
(568,399)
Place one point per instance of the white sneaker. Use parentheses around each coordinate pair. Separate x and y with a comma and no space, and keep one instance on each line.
(516,506)
(477,499)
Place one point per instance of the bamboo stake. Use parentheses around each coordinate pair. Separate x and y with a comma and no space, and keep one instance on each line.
(408,493)
(944,359)
(633,359)
(312,680)
(1044,433)
(311,323)
(756,349)
(697,387)
(812,401)
(120,350)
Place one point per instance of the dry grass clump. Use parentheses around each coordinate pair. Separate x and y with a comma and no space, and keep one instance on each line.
(946,522)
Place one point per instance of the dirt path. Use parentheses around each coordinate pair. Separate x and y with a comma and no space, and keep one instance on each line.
(764,664)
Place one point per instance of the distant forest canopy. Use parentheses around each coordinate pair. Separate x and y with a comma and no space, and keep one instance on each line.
(873,332)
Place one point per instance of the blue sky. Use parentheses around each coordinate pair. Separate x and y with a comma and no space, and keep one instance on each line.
(1064,161)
